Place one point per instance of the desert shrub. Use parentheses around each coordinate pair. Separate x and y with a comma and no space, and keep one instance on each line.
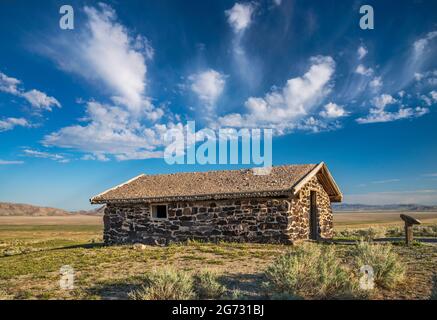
(309,270)
(367,234)
(419,231)
(207,286)
(395,232)
(425,231)
(388,269)
(165,284)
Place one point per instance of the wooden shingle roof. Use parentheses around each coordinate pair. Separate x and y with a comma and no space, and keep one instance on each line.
(224,184)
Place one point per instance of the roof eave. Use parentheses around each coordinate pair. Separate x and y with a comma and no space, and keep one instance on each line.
(202,197)
(335,195)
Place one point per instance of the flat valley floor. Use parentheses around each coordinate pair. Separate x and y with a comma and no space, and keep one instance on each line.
(33,249)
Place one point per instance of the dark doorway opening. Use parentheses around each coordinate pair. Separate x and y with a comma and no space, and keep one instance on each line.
(314,224)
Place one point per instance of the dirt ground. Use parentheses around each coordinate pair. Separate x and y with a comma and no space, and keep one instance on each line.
(33,249)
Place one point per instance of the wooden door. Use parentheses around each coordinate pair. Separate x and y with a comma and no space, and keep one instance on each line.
(314,224)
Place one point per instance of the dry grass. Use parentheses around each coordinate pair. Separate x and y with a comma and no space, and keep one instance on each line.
(31,255)
(344,220)
(310,270)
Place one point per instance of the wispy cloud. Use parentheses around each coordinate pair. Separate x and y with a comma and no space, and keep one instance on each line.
(386,181)
(130,127)
(380,114)
(240,18)
(106,53)
(433,175)
(10,123)
(37,99)
(10,162)
(362,52)
(421,44)
(45,155)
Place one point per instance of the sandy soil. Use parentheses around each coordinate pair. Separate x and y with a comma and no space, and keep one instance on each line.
(52,220)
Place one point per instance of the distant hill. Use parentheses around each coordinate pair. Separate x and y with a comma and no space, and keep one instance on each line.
(19,209)
(389,207)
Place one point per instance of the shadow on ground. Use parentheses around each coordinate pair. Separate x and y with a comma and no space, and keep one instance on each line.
(82,246)
(239,286)
(384,240)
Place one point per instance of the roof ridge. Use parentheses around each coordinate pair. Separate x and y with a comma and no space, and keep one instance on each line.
(226,170)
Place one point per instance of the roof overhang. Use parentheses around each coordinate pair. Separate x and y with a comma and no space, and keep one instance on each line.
(320,170)
(326,180)
(200,197)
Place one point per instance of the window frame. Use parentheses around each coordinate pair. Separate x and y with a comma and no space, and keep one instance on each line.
(153,207)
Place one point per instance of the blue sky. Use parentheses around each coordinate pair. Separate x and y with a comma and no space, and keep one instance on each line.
(83,110)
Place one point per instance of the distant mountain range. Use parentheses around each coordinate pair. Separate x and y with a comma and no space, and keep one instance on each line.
(18,209)
(388,207)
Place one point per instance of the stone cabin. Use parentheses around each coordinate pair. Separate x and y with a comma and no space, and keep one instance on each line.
(291,202)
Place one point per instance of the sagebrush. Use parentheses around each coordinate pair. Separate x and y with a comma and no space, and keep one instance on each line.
(207,286)
(165,284)
(310,270)
(387,267)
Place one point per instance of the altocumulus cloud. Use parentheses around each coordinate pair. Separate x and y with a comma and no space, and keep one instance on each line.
(282,108)
(37,99)
(10,123)
(378,112)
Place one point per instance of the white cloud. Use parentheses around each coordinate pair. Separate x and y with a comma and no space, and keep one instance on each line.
(361,69)
(332,110)
(9,84)
(208,86)
(281,108)
(240,16)
(380,115)
(36,98)
(10,123)
(433,95)
(362,52)
(45,155)
(40,100)
(383,100)
(427,77)
(277,2)
(376,83)
(8,162)
(106,53)
(426,100)
(316,125)
(111,131)
(109,54)
(420,45)
(418,76)
(432,175)
(386,181)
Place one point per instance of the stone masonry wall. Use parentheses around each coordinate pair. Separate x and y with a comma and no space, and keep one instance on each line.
(301,212)
(248,220)
(245,220)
